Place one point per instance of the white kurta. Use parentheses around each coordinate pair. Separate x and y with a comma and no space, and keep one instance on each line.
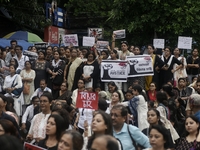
(31,75)
(142,110)
(18,101)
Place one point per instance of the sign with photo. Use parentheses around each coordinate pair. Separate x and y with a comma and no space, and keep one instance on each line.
(88,41)
(70,39)
(28,146)
(184,42)
(159,43)
(120,34)
(114,71)
(87,100)
(95,32)
(140,65)
(102,45)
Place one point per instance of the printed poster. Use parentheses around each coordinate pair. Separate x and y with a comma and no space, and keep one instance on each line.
(120,34)
(70,39)
(114,71)
(159,43)
(87,100)
(102,45)
(184,42)
(140,65)
(88,41)
(28,146)
(95,32)
(32,55)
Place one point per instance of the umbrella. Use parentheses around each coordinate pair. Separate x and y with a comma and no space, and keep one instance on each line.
(24,44)
(23,35)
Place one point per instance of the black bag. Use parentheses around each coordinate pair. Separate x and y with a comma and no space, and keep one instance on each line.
(17,92)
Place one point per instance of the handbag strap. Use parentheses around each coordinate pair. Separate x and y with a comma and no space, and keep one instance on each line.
(133,141)
(14,81)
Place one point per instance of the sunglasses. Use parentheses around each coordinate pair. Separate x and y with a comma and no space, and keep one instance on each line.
(124,42)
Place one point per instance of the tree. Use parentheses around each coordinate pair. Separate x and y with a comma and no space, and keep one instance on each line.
(145,20)
(28,14)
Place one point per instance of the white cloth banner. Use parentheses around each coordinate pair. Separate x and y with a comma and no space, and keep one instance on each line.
(159,43)
(114,71)
(88,41)
(140,65)
(184,42)
(70,39)
(120,34)
(102,45)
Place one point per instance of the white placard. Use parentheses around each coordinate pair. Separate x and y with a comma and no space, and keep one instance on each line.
(140,65)
(95,32)
(88,41)
(184,42)
(70,39)
(120,34)
(114,71)
(102,45)
(159,43)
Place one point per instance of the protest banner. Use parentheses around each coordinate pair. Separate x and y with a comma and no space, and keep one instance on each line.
(88,41)
(102,45)
(140,65)
(114,71)
(42,46)
(28,146)
(95,32)
(120,34)
(159,43)
(184,42)
(70,39)
(87,100)
(32,55)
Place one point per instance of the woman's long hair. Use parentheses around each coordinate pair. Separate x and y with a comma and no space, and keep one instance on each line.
(140,91)
(108,122)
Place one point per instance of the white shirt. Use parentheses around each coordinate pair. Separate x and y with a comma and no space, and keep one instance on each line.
(38,92)
(21,61)
(28,115)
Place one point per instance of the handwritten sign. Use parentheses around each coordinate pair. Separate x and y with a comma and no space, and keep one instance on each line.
(28,146)
(87,100)
(95,32)
(102,45)
(88,41)
(70,39)
(159,43)
(114,71)
(120,34)
(184,42)
(140,65)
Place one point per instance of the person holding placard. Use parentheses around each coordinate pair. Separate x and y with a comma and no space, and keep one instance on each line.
(193,65)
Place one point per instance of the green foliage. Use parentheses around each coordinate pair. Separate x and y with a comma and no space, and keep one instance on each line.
(166,19)
(27,13)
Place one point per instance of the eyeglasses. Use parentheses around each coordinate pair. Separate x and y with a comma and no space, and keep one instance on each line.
(125,42)
(115,115)
(44,101)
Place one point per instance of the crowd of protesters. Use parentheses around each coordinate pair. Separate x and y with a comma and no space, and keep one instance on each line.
(38,100)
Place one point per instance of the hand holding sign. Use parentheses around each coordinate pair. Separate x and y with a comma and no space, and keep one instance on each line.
(87,100)
(119,34)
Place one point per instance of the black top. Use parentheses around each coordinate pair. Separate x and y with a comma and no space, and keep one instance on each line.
(190,70)
(42,143)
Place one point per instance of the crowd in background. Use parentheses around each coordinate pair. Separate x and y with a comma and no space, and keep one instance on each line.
(38,100)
